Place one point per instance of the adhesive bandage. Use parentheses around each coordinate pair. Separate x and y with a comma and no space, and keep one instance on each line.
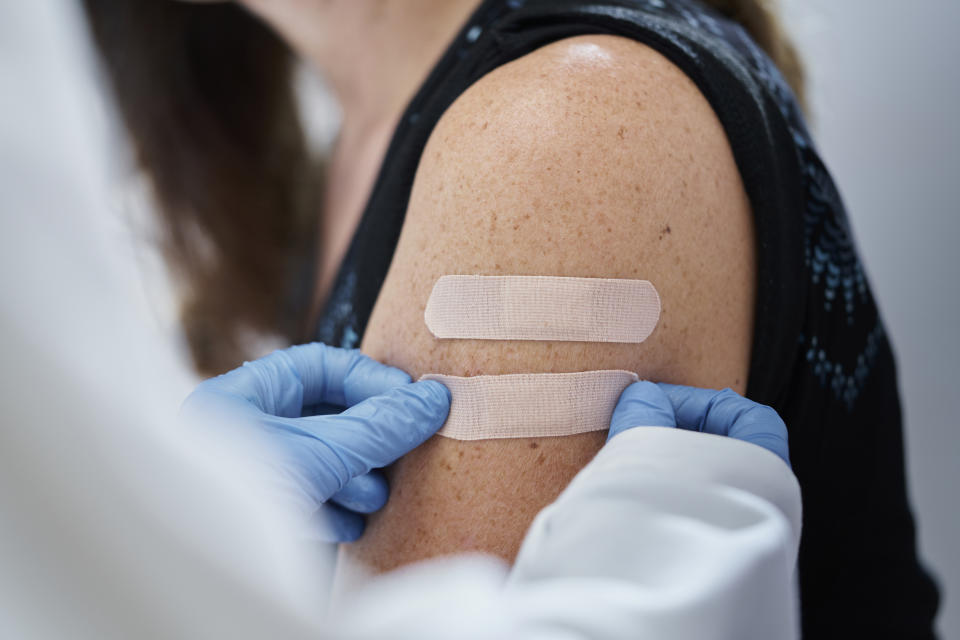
(530,405)
(542,308)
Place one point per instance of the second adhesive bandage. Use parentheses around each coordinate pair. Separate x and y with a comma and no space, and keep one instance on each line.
(530,405)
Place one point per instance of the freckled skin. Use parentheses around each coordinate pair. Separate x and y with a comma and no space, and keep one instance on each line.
(594,157)
(477,506)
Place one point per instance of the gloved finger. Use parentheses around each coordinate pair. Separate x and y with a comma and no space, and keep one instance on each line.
(703,410)
(642,404)
(727,413)
(337,376)
(377,431)
(333,523)
(285,381)
(364,494)
(762,426)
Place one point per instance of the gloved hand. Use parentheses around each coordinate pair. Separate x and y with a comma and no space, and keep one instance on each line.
(724,413)
(642,404)
(326,462)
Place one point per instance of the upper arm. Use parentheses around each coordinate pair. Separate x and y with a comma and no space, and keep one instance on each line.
(593,156)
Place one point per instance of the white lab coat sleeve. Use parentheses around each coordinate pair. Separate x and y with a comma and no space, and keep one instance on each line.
(665,534)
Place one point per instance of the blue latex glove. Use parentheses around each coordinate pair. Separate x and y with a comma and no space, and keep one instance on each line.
(326,461)
(642,404)
(724,413)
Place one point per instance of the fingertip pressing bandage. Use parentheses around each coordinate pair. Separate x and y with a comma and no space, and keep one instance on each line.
(530,405)
(542,308)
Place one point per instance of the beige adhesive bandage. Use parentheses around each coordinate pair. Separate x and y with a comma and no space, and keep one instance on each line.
(531,405)
(542,308)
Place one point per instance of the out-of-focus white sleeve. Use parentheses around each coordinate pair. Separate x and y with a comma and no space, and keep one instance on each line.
(665,534)
(694,535)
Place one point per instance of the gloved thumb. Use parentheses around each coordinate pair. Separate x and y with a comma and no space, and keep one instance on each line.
(642,404)
(377,431)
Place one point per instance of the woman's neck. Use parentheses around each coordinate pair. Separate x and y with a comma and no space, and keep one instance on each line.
(373,53)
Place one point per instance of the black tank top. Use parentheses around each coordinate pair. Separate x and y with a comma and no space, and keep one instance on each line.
(820,355)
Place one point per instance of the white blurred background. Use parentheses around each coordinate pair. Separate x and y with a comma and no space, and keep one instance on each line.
(885,96)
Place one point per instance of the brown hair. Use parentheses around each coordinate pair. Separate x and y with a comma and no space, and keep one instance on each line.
(206,93)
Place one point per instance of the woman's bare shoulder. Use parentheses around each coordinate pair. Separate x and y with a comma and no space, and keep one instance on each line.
(593,156)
